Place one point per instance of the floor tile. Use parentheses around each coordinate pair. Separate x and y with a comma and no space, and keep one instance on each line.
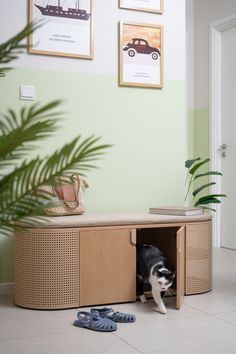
(184,335)
(221,299)
(229,316)
(76,341)
(205,324)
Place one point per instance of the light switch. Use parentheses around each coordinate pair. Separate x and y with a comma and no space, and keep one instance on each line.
(27,92)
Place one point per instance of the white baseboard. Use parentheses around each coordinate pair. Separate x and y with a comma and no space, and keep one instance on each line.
(6,288)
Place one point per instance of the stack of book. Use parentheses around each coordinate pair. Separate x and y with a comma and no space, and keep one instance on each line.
(172,210)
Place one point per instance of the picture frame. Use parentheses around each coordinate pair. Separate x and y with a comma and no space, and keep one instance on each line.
(66,30)
(141,55)
(155,6)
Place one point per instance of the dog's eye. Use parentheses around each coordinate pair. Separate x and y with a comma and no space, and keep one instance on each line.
(159,282)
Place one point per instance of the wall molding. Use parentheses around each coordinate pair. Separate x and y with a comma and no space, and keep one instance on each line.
(6,289)
(215,34)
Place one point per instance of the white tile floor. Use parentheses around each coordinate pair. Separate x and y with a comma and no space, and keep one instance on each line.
(205,324)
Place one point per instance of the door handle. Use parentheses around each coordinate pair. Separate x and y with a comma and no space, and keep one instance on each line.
(133,240)
(222,150)
(223,147)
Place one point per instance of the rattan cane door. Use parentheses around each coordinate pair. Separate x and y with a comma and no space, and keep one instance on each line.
(198,277)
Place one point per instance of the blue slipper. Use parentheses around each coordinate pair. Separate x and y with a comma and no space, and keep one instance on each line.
(109,313)
(95,322)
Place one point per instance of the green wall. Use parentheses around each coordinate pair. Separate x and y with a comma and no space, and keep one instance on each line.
(199,133)
(145,166)
(199,141)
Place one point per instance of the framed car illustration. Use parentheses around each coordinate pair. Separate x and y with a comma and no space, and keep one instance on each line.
(155,6)
(141,55)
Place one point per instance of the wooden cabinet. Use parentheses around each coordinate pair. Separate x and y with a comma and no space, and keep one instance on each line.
(95,265)
(107,267)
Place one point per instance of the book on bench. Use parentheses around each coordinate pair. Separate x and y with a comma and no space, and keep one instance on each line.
(172,210)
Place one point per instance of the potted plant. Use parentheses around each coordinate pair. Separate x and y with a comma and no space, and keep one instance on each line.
(20,177)
(194,175)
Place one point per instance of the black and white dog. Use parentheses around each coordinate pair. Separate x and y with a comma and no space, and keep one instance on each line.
(152,269)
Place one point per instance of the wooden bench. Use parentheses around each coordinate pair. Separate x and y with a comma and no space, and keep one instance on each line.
(90,259)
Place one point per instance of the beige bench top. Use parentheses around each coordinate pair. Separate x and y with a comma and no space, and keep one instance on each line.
(117,219)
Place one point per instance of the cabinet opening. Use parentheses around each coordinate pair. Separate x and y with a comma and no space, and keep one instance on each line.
(166,240)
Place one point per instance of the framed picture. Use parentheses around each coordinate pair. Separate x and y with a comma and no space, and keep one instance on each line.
(143,5)
(67,28)
(141,55)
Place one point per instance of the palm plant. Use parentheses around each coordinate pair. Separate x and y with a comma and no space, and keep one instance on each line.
(193,175)
(10,49)
(20,178)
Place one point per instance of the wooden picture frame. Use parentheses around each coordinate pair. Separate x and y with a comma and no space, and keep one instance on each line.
(141,55)
(155,6)
(66,31)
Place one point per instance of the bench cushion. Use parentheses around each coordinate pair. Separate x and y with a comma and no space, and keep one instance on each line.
(117,219)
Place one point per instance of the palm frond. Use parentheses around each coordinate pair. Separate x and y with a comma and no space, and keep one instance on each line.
(11,49)
(19,197)
(72,157)
(19,131)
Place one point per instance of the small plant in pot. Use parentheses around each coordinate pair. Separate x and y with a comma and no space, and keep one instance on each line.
(196,195)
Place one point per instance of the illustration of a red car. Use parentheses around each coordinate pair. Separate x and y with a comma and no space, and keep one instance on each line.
(140,45)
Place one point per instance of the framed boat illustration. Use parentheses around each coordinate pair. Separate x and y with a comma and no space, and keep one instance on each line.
(141,55)
(155,6)
(67,28)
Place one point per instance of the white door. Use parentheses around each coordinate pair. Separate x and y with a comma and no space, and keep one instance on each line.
(228,137)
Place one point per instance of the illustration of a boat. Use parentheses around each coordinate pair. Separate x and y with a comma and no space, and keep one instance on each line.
(57,11)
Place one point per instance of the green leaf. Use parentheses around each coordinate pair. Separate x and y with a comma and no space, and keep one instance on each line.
(207,201)
(212,196)
(197,166)
(210,173)
(20,130)
(207,208)
(11,49)
(196,191)
(189,163)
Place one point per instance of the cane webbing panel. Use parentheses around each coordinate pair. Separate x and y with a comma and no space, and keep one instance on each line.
(47,268)
(198,277)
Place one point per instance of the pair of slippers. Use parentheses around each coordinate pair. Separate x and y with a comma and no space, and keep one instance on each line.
(102,320)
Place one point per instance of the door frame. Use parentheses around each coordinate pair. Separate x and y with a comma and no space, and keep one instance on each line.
(216,29)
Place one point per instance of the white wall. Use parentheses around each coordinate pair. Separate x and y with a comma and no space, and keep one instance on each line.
(190,54)
(106,18)
(205,12)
